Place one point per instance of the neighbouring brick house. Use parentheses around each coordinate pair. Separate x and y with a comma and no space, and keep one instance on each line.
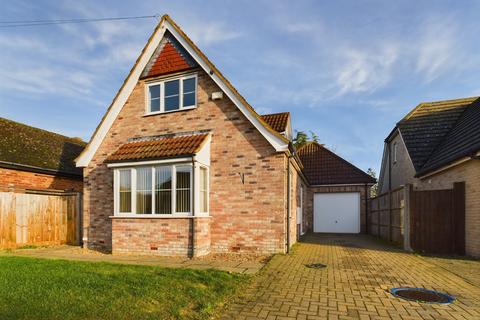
(434,146)
(36,159)
(182,165)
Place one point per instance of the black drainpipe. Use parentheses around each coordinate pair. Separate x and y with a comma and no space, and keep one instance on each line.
(288,203)
(193,206)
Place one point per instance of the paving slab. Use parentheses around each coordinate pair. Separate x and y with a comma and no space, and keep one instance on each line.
(354,284)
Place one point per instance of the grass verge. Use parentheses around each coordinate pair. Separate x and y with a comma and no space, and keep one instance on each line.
(56,289)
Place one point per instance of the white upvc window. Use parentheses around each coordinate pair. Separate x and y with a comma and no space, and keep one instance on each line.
(172,94)
(161,190)
(203,189)
(153,190)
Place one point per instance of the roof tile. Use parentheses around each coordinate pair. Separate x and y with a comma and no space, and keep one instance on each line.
(278,121)
(159,148)
(30,146)
(323,167)
(425,129)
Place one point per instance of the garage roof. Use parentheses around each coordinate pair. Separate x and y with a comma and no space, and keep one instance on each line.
(323,167)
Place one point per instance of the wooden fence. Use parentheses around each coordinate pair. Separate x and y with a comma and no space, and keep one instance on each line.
(39,219)
(430,221)
(386,216)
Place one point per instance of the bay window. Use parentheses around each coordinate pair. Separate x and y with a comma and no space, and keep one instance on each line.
(160,190)
(172,94)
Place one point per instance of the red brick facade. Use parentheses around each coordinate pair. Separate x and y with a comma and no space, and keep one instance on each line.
(245,215)
(16,179)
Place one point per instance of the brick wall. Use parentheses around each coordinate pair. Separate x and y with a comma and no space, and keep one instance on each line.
(247,216)
(16,179)
(340,188)
(161,236)
(470,173)
(403,171)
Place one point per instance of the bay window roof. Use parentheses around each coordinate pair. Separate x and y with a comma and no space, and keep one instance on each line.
(159,147)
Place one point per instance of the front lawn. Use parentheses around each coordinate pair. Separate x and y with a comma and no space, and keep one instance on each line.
(56,289)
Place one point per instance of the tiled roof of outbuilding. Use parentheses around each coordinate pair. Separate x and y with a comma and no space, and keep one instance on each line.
(278,121)
(323,167)
(24,145)
(159,148)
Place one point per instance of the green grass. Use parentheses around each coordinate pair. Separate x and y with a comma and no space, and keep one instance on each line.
(56,289)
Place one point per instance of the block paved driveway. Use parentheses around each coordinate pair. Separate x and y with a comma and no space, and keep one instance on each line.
(354,284)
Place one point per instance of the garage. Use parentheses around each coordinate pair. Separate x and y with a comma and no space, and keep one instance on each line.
(338,192)
(336,212)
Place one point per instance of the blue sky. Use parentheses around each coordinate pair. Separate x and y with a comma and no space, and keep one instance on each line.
(348,70)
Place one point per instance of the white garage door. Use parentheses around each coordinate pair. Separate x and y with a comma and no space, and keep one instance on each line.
(336,212)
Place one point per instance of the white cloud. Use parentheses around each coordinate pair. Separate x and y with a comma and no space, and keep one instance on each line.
(207,33)
(365,70)
(438,49)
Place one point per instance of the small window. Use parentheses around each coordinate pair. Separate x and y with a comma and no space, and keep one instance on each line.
(203,189)
(395,152)
(189,94)
(172,95)
(144,190)
(154,98)
(125,191)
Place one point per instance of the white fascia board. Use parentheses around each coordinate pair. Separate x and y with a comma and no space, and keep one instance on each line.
(120,100)
(275,141)
(84,159)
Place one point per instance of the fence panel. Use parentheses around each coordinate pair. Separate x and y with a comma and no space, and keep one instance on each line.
(437,220)
(34,219)
(386,216)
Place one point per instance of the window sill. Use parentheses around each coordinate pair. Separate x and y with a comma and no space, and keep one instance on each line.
(148,114)
(158,216)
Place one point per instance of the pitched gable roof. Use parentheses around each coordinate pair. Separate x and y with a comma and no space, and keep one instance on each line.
(277,121)
(427,125)
(159,148)
(431,131)
(463,140)
(278,141)
(323,167)
(30,147)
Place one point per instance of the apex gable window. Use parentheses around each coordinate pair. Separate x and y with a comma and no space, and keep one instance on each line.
(172,94)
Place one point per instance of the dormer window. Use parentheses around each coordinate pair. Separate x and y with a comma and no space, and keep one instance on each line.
(172,94)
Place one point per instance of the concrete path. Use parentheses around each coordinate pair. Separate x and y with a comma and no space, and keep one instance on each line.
(354,285)
(79,254)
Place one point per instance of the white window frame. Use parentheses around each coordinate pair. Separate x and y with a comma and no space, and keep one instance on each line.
(207,191)
(162,94)
(133,172)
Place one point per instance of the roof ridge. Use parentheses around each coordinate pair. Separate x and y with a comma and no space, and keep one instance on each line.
(73,139)
(452,102)
(445,137)
(220,74)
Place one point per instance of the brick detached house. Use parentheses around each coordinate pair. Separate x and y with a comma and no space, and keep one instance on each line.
(36,159)
(434,146)
(182,165)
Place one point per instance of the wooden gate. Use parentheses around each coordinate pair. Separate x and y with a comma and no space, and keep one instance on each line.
(437,220)
(39,219)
